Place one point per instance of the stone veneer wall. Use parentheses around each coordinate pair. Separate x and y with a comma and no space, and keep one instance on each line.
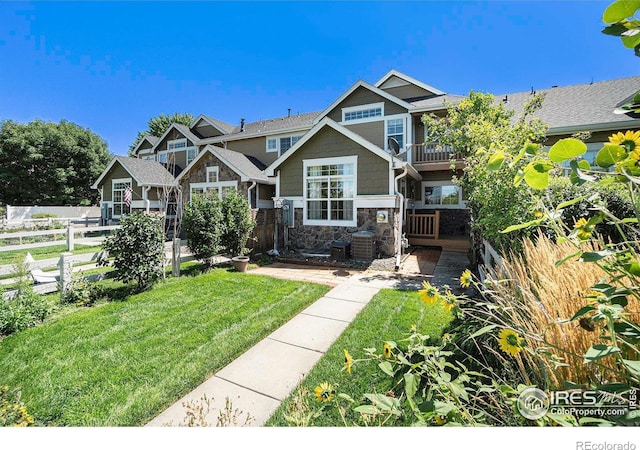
(199,175)
(455,222)
(321,237)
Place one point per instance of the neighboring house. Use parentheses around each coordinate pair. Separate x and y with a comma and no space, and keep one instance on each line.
(364,163)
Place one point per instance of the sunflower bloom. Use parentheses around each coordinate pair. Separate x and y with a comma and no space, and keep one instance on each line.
(449,301)
(386,350)
(465,279)
(348,360)
(441,420)
(629,140)
(510,342)
(584,231)
(325,392)
(430,294)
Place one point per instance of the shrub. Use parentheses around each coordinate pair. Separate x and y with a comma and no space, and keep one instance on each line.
(203,221)
(138,250)
(44,216)
(80,292)
(237,223)
(26,308)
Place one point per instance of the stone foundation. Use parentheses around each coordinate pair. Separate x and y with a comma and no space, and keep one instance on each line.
(321,237)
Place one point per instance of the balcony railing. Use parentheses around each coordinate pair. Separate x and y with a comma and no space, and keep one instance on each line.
(433,152)
(424,225)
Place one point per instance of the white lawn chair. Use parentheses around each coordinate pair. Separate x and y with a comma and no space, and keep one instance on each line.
(40,277)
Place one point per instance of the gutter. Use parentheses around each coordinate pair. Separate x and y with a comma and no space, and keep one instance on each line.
(145,197)
(399,233)
(253,185)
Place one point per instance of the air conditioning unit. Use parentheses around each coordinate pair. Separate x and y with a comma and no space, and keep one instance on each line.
(363,245)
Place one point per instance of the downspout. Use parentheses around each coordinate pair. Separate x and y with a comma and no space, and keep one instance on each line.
(401,198)
(253,185)
(145,197)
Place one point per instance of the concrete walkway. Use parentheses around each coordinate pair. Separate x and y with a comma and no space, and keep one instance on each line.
(262,377)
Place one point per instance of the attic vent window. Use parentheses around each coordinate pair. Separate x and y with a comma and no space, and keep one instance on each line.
(363,113)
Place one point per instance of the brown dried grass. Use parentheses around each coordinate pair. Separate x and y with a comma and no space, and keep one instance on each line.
(536,296)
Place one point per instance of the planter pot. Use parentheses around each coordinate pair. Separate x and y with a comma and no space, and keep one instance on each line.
(240,263)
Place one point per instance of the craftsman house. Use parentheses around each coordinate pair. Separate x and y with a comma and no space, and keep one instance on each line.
(362,171)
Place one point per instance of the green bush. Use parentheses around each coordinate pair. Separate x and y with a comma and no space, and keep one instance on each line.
(237,223)
(202,221)
(44,216)
(81,293)
(138,250)
(25,310)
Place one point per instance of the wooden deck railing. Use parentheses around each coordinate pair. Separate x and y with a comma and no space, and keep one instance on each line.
(432,152)
(424,225)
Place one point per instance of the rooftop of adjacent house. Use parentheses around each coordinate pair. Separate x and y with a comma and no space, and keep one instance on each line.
(248,165)
(579,105)
(146,172)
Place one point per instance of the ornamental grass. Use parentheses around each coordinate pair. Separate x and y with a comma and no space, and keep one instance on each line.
(536,296)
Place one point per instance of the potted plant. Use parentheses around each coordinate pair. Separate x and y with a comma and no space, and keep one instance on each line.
(238,226)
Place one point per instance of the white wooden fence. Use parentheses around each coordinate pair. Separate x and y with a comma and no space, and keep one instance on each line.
(490,258)
(68,234)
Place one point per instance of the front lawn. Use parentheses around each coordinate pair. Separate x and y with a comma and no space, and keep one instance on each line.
(122,363)
(388,316)
(12,256)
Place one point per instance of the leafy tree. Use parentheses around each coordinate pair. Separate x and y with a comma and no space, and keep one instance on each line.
(46,163)
(485,132)
(159,124)
(202,221)
(238,223)
(621,21)
(138,249)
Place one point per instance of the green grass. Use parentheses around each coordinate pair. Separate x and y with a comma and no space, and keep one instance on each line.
(388,316)
(54,251)
(122,363)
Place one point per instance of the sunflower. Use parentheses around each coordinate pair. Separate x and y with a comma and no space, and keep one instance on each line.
(629,140)
(386,351)
(584,231)
(324,392)
(510,342)
(538,214)
(465,279)
(440,420)
(429,294)
(348,360)
(449,301)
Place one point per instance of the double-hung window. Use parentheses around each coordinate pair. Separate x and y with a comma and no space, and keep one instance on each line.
(118,188)
(213,186)
(395,129)
(192,152)
(330,191)
(281,144)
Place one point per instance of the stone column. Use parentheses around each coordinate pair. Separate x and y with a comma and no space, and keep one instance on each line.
(66,270)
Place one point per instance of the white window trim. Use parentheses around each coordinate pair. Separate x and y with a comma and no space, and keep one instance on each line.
(115,181)
(461,203)
(277,139)
(164,153)
(187,150)
(210,170)
(362,107)
(219,185)
(328,161)
(177,141)
(406,134)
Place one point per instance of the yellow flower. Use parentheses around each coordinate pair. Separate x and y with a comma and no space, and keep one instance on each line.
(465,279)
(348,360)
(441,420)
(449,301)
(629,140)
(538,214)
(584,232)
(324,393)
(429,294)
(510,342)
(580,223)
(386,350)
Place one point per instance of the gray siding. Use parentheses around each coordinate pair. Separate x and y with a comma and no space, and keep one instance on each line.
(372,171)
(409,91)
(363,96)
(255,147)
(117,171)
(207,131)
(371,131)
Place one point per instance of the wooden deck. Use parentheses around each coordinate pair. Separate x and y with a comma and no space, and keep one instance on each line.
(460,244)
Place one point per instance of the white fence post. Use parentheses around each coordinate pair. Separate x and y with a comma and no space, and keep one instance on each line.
(175,260)
(70,242)
(66,270)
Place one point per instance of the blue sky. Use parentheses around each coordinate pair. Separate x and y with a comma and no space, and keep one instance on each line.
(112,66)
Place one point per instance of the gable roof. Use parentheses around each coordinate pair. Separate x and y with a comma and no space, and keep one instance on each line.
(153,140)
(394,73)
(581,107)
(327,122)
(144,172)
(222,127)
(247,167)
(365,85)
